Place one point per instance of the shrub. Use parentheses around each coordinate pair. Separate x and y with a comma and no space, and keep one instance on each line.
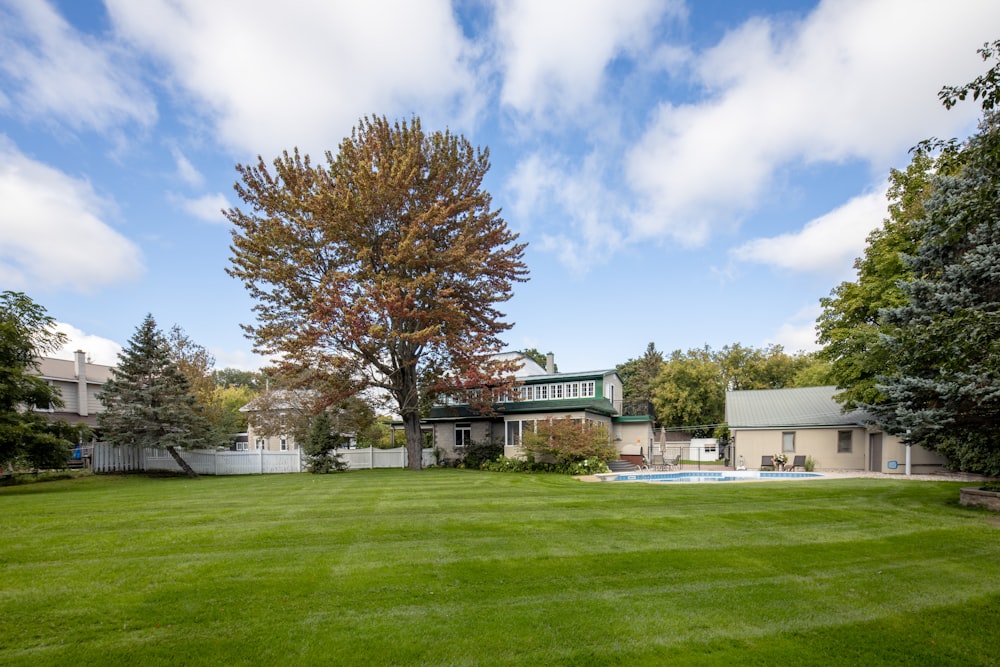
(569,441)
(585,467)
(478,453)
(810,464)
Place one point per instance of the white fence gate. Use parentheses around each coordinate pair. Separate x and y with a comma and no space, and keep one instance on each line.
(108,458)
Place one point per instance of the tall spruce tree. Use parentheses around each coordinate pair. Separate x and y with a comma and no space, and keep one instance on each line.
(149,402)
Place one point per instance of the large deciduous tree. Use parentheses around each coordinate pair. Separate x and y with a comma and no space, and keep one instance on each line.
(148,401)
(384,268)
(27,333)
(851,328)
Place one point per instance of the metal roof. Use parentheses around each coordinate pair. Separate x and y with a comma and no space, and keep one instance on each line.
(780,408)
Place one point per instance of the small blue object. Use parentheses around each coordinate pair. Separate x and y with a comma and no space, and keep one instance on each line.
(892,465)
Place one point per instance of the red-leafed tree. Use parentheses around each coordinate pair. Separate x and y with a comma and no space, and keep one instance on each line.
(382,269)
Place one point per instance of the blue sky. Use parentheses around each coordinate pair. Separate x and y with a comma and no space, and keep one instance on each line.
(685,173)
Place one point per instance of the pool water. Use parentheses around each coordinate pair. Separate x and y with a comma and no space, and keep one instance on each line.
(703,476)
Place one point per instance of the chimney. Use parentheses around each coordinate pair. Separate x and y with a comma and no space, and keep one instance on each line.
(550,363)
(81,383)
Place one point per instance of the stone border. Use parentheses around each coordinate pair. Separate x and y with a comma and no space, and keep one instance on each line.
(976,496)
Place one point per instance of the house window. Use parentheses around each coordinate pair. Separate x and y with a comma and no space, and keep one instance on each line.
(587,389)
(241,446)
(557,391)
(572,390)
(844,442)
(260,443)
(788,441)
(513,434)
(463,435)
(284,444)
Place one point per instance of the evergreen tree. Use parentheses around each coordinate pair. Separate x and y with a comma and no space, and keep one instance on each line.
(945,393)
(148,402)
(319,445)
(639,375)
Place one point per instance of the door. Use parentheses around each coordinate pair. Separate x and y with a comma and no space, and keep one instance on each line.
(875,452)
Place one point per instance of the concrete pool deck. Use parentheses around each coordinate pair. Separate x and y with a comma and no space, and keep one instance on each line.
(943,476)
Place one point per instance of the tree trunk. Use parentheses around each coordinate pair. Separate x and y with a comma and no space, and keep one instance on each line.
(414,441)
(188,470)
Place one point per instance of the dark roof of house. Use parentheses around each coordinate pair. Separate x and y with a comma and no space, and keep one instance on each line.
(598,405)
(781,408)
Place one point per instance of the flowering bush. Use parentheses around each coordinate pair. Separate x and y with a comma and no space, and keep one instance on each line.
(780,458)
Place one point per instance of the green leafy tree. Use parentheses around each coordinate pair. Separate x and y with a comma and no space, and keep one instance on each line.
(690,392)
(27,333)
(539,358)
(226,402)
(569,441)
(384,269)
(851,328)
(234,377)
(148,401)
(812,370)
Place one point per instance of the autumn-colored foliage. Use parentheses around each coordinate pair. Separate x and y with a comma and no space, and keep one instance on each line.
(383,268)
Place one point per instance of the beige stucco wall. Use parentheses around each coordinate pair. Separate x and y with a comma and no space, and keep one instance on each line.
(272,443)
(631,437)
(921,460)
(482,431)
(821,445)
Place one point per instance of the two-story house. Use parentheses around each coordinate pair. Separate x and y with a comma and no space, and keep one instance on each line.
(543,394)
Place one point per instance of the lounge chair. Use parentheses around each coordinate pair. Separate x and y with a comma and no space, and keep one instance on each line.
(798,462)
(767,462)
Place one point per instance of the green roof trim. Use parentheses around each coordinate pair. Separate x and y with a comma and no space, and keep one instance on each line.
(597,405)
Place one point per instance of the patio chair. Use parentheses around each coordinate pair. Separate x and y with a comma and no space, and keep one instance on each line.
(674,462)
(798,462)
(767,462)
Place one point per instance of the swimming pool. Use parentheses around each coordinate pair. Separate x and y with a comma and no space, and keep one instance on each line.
(703,476)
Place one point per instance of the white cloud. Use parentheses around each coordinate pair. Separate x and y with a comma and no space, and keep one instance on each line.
(798,334)
(52,70)
(52,234)
(855,80)
(572,200)
(99,350)
(186,171)
(554,54)
(207,207)
(828,244)
(301,73)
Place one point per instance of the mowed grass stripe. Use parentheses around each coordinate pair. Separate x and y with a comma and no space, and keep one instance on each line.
(462,567)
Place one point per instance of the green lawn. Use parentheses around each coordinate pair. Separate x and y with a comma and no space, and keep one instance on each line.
(452,567)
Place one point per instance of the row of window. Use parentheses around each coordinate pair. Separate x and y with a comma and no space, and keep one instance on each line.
(259,444)
(554,391)
(845,442)
(557,391)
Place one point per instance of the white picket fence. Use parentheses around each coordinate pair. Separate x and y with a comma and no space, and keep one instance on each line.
(366,459)
(108,458)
